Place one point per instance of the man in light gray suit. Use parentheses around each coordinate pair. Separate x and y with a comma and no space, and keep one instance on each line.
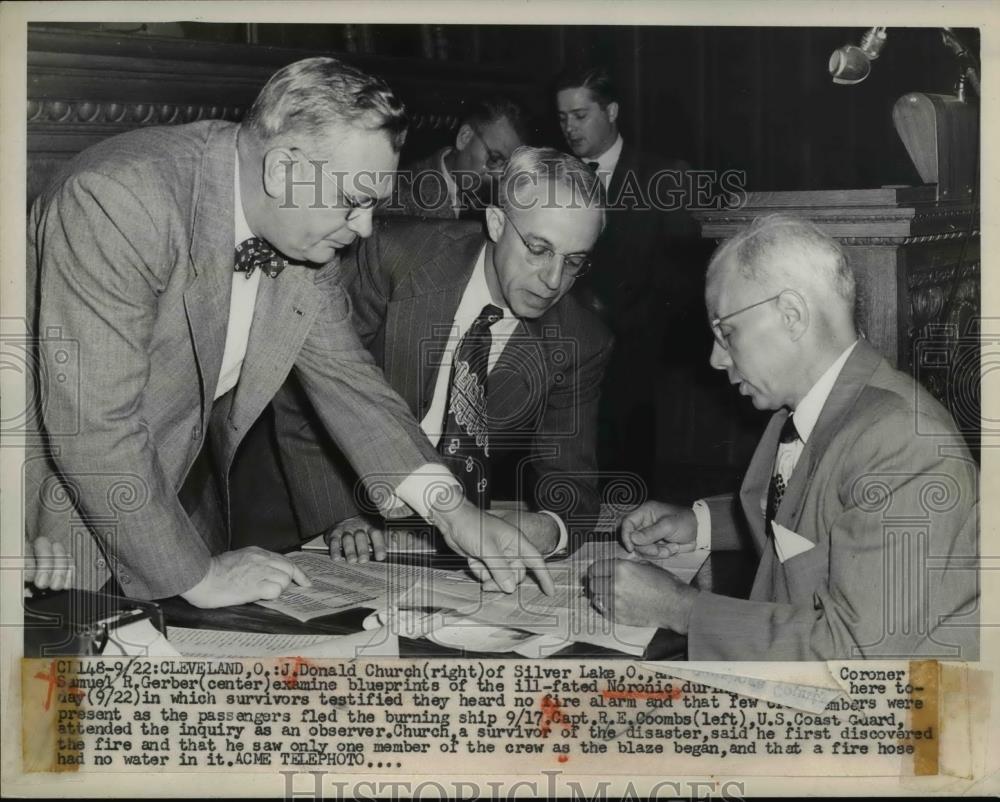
(131,257)
(861,499)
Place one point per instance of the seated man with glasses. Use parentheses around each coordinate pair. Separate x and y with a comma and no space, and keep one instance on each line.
(476,332)
(861,499)
(460,180)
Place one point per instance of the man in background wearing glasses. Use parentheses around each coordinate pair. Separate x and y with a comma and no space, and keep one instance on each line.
(861,499)
(460,180)
(477,334)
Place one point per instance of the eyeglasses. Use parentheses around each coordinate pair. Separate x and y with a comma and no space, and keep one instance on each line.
(723,338)
(574,264)
(495,160)
(355,205)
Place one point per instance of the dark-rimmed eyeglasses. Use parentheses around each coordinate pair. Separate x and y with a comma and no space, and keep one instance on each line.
(496,160)
(574,264)
(721,337)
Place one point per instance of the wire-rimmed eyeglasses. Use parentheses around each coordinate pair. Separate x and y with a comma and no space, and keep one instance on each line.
(574,264)
(722,338)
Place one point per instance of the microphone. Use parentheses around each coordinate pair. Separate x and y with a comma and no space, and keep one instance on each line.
(851,64)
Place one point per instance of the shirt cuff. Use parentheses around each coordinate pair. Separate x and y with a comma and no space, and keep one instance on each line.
(430,485)
(563,543)
(703,540)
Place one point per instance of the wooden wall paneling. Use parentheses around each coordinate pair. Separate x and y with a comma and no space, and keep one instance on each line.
(85,86)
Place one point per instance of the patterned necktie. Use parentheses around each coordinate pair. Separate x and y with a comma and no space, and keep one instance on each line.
(776,490)
(465,443)
(593,165)
(253,253)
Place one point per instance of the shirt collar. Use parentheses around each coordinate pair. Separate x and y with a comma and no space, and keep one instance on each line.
(809,408)
(608,160)
(478,291)
(241,228)
(448,180)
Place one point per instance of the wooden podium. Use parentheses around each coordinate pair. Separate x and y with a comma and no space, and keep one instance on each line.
(916,261)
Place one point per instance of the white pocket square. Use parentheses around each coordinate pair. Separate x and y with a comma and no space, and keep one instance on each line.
(789,544)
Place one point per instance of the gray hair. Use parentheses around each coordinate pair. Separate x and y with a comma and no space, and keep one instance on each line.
(780,251)
(529,167)
(309,96)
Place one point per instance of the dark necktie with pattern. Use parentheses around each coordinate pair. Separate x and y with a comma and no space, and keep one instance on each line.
(465,442)
(253,253)
(776,490)
(593,165)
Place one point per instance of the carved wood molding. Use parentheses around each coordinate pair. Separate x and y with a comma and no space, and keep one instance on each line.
(128,114)
(84,87)
(930,290)
(891,216)
(108,117)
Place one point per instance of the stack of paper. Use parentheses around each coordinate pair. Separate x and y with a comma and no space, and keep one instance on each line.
(338,585)
(566,616)
(214,643)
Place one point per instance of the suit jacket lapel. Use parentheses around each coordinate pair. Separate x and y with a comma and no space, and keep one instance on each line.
(758,478)
(856,373)
(285,309)
(621,170)
(206,298)
(437,287)
(508,385)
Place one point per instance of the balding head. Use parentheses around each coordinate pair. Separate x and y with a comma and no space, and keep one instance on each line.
(781,297)
(781,252)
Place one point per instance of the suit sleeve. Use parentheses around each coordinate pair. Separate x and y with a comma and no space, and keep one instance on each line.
(367,420)
(725,524)
(565,443)
(99,250)
(366,275)
(892,581)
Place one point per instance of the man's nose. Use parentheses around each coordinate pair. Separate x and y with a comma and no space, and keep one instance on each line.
(551,274)
(361,222)
(719,358)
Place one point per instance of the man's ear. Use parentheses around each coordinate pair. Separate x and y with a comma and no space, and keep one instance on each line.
(495,221)
(463,136)
(279,171)
(612,111)
(794,311)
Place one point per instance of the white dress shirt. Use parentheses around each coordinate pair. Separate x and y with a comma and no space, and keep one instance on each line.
(474,298)
(608,160)
(449,182)
(806,414)
(416,489)
(241,302)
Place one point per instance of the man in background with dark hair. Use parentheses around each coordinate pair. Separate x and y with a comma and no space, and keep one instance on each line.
(460,180)
(643,263)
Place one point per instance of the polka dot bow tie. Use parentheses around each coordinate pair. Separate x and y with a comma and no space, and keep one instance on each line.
(253,253)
